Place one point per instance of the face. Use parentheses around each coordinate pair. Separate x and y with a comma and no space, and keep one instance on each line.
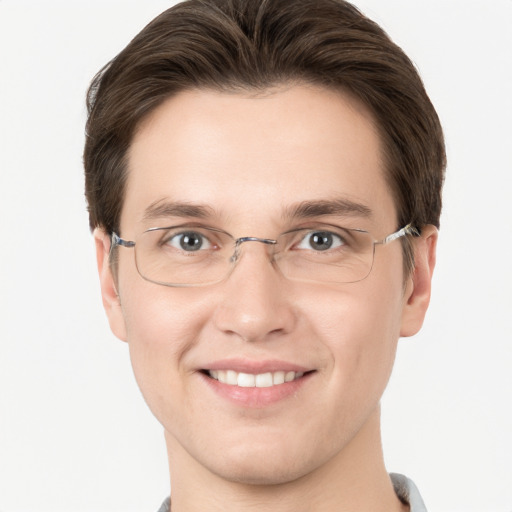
(248,162)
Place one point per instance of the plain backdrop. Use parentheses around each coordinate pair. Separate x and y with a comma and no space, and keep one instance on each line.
(75,434)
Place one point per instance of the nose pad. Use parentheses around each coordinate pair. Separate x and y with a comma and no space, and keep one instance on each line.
(239,241)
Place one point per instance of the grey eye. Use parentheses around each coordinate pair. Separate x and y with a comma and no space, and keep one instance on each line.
(320,241)
(189,241)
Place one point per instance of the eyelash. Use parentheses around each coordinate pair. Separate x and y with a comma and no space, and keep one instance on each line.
(327,236)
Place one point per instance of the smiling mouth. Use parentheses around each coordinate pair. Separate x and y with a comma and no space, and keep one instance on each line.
(249,380)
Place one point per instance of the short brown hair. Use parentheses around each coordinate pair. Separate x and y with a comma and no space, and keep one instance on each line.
(253,45)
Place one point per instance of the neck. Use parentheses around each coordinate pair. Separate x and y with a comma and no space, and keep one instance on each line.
(354,479)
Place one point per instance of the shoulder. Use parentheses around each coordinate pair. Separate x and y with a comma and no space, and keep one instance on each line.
(408,493)
(166,506)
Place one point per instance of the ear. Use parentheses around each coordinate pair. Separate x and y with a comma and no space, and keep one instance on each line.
(418,287)
(109,295)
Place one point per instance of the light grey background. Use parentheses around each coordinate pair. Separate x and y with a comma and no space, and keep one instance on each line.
(75,434)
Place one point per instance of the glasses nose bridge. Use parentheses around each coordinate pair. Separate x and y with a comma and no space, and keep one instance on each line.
(243,239)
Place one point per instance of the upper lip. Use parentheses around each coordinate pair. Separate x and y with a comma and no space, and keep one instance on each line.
(255,367)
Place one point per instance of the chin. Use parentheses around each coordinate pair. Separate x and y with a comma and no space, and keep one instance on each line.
(263,466)
(253,474)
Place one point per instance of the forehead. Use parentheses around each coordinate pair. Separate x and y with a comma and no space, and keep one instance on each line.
(248,157)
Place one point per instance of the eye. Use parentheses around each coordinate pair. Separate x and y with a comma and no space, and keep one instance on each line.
(320,241)
(189,241)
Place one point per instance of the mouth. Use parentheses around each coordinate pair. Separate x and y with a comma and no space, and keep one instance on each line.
(250,380)
(256,384)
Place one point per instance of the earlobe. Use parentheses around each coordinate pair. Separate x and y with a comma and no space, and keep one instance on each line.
(417,296)
(109,295)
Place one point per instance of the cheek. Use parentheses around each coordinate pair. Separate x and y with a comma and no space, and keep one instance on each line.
(360,330)
(162,326)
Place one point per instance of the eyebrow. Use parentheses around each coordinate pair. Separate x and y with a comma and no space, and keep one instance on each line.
(341,206)
(164,208)
(303,210)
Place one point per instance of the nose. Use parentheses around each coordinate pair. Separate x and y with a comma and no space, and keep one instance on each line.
(254,304)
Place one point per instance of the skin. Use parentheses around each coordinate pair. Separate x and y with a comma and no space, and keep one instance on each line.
(249,158)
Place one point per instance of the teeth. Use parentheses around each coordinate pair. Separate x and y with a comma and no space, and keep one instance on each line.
(249,380)
(264,380)
(246,380)
(231,378)
(278,378)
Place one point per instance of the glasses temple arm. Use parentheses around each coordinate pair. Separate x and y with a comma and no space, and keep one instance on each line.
(117,240)
(406,230)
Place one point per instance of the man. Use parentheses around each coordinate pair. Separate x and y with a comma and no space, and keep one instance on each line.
(263,181)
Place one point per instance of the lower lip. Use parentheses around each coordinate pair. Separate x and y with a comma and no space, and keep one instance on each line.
(256,397)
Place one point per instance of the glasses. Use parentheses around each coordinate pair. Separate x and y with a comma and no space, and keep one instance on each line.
(195,255)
